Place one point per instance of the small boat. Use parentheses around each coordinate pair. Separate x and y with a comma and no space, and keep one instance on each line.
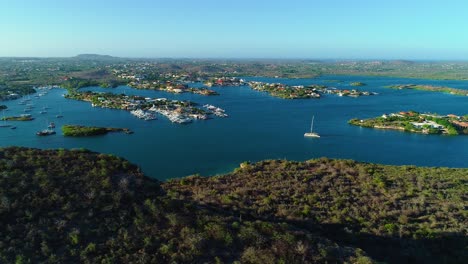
(48,131)
(149,118)
(60,114)
(51,125)
(312,133)
(45,132)
(13,127)
(179,119)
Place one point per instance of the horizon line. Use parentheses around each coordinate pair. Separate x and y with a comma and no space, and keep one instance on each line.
(236,58)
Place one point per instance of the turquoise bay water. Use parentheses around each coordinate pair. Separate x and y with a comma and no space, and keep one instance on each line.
(258,127)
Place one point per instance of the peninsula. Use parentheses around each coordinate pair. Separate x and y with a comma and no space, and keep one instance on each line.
(145,107)
(225,81)
(303,92)
(415,122)
(86,131)
(285,91)
(170,87)
(430,88)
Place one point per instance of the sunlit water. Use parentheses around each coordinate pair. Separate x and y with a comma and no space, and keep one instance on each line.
(258,127)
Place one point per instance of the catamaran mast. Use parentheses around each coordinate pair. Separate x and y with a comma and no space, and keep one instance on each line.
(312,124)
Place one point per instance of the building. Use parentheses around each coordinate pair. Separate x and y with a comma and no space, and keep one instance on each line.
(427,123)
(460,124)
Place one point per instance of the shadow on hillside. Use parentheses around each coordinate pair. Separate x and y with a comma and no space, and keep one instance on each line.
(442,248)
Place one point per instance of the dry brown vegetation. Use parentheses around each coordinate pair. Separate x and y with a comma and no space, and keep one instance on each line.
(395,213)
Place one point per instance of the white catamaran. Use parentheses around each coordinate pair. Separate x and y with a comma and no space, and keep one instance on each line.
(312,133)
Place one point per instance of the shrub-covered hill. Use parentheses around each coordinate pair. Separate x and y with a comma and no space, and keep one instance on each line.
(60,206)
(397,214)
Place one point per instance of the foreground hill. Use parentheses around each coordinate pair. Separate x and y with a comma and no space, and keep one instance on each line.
(397,214)
(59,206)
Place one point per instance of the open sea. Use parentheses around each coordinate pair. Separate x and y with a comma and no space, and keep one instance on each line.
(259,127)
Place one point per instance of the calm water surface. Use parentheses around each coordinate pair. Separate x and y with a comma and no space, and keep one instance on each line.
(259,127)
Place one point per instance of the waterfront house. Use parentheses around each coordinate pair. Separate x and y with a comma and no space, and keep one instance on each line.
(429,123)
(397,115)
(460,124)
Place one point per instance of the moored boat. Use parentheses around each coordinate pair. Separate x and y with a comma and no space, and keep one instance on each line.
(45,132)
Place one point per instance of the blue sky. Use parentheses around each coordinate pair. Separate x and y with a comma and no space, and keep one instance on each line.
(352,29)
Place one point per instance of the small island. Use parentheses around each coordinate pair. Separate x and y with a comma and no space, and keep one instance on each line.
(358,84)
(415,122)
(87,131)
(24,117)
(430,88)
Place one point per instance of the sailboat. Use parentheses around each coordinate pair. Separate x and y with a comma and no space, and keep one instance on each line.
(60,114)
(4,123)
(312,133)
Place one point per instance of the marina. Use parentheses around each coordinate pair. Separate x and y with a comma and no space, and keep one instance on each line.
(143,114)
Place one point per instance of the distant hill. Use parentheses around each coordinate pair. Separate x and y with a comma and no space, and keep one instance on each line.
(94,57)
(405,62)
